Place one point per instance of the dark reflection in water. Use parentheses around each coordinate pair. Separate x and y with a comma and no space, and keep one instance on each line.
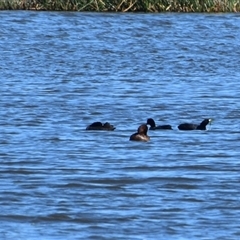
(62,71)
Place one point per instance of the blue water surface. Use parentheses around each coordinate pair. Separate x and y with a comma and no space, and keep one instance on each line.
(61,71)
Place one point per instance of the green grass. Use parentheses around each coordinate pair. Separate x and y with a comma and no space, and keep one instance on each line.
(124,5)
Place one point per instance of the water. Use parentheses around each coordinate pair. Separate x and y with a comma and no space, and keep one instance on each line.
(63,71)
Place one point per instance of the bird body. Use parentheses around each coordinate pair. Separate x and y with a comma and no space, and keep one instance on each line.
(141,134)
(191,126)
(153,126)
(99,126)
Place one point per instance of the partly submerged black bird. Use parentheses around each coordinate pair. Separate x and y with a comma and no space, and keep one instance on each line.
(153,126)
(190,126)
(141,134)
(99,126)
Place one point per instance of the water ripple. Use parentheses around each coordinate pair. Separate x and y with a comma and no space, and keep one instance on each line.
(62,71)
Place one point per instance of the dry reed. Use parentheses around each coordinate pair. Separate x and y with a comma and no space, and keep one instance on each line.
(124,5)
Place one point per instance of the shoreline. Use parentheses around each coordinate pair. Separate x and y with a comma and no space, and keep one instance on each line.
(141,6)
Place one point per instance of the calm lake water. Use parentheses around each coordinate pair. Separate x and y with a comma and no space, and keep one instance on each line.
(61,71)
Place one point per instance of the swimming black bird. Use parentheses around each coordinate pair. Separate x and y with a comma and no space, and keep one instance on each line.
(190,126)
(153,126)
(99,126)
(141,134)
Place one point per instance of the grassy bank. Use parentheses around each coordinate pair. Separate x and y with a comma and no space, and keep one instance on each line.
(124,5)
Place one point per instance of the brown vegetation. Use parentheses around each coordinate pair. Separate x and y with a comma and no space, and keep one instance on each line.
(124,5)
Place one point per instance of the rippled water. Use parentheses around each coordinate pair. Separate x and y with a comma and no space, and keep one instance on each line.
(63,71)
